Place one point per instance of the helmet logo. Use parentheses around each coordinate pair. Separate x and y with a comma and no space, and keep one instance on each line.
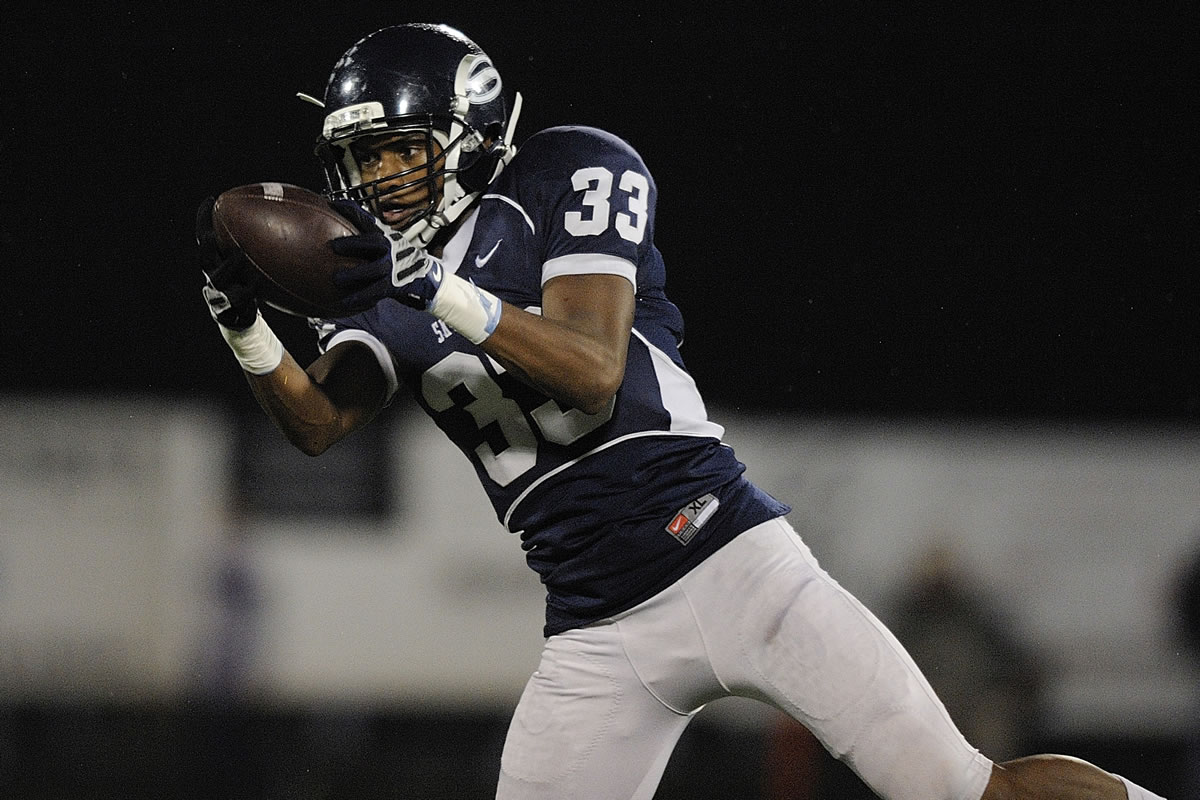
(483,82)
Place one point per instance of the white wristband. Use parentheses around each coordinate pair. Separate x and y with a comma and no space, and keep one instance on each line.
(466,308)
(257,348)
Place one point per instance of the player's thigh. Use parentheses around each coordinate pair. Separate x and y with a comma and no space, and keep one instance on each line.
(789,634)
(585,727)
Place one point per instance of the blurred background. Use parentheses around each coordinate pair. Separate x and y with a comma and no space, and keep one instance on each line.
(939,270)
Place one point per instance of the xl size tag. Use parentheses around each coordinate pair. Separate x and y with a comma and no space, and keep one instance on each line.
(689,519)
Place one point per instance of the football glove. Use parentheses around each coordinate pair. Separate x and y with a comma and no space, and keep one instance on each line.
(230,282)
(392,266)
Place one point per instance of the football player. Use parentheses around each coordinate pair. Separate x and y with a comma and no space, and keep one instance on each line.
(518,296)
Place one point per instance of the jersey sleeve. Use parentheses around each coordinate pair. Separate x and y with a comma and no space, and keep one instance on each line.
(595,202)
(332,332)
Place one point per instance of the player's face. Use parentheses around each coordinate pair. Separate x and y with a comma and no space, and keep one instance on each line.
(403,163)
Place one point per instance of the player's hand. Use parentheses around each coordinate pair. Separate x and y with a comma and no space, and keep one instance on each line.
(230,281)
(392,267)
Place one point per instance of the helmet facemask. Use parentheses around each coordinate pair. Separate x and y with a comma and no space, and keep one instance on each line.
(451,148)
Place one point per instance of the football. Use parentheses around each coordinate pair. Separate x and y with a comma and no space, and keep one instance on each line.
(284,230)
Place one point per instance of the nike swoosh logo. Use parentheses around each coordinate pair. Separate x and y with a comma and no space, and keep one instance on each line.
(480,261)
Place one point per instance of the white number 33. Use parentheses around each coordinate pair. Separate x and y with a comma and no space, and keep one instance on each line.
(596,183)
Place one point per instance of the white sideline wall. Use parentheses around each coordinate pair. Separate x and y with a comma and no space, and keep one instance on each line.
(112,519)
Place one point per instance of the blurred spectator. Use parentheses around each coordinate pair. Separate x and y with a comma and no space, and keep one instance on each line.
(964,643)
(227,732)
(1188,605)
(227,655)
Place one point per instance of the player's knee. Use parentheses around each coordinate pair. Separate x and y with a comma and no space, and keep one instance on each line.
(1052,776)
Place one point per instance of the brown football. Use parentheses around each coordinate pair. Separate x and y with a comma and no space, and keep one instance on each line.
(284,230)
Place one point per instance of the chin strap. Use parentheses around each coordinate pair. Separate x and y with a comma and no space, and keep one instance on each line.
(512,126)
(421,233)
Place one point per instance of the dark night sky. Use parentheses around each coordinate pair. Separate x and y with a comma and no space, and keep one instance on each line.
(935,211)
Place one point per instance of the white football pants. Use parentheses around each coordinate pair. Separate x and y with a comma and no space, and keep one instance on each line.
(759,618)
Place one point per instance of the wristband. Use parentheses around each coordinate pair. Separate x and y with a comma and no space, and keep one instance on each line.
(257,348)
(469,310)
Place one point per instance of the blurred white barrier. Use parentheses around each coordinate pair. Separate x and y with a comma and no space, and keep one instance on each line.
(111,520)
(108,512)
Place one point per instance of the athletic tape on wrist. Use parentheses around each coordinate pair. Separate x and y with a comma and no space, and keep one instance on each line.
(469,310)
(257,348)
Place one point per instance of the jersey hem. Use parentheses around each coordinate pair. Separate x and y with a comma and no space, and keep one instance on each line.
(512,508)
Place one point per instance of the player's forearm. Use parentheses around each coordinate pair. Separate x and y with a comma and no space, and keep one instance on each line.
(299,407)
(284,390)
(568,365)
(315,408)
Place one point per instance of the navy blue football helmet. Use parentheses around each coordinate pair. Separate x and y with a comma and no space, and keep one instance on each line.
(418,78)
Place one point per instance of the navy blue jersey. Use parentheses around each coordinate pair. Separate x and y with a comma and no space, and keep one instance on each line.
(611,507)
